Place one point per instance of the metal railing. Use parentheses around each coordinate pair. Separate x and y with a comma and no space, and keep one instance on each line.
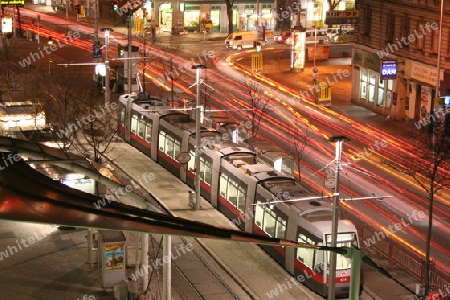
(405,258)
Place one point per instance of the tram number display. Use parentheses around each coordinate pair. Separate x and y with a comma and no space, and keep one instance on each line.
(388,69)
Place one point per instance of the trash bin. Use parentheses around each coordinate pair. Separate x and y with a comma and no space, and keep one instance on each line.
(191,198)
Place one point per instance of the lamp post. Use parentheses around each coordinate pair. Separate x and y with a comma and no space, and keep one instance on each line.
(198,69)
(107,90)
(50,42)
(332,275)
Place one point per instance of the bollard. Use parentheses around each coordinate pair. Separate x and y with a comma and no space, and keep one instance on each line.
(191,198)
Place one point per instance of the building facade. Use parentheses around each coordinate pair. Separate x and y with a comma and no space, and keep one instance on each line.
(395,60)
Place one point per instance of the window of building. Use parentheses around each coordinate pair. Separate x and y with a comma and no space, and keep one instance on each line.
(405,31)
(434,45)
(390,27)
(367,21)
(271,223)
(420,40)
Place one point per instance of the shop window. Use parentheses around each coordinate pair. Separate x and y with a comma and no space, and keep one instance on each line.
(380,94)
(371,88)
(389,86)
(364,84)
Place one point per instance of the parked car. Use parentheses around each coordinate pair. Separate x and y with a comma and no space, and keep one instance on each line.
(331,32)
(345,37)
(242,40)
(312,36)
(284,35)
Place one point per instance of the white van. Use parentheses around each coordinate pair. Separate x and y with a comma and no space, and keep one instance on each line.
(242,40)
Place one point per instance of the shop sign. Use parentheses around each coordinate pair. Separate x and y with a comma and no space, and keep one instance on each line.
(388,70)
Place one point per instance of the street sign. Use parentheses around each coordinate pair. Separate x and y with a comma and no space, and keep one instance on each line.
(324,95)
(336,17)
(183,157)
(97,51)
(257,62)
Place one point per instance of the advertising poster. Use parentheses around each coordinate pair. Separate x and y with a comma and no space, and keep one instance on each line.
(299,50)
(114,256)
(424,101)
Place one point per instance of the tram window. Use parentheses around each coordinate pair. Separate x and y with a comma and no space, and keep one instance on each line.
(191,163)
(122,116)
(223,185)
(176,148)
(141,128)
(169,146)
(232,192)
(134,123)
(241,199)
(161,140)
(305,255)
(269,223)
(205,171)
(281,228)
(318,259)
(148,132)
(259,214)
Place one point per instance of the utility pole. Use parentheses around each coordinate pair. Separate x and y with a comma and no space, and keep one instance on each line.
(107,90)
(167,267)
(332,276)
(130,47)
(198,68)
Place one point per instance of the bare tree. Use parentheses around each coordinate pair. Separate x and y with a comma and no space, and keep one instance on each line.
(259,103)
(300,140)
(8,78)
(332,4)
(431,172)
(230,4)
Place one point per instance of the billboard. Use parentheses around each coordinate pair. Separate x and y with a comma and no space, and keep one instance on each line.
(13,2)
(7,25)
(298,50)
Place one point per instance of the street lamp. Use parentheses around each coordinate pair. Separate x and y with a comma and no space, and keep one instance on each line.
(50,42)
(332,275)
(198,68)
(107,89)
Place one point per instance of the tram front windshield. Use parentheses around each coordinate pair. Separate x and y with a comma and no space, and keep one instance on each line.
(343,240)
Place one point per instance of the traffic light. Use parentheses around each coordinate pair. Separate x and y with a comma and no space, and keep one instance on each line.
(447,124)
(120,50)
(78,8)
(114,5)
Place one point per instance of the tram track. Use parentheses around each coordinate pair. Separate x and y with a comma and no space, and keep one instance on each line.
(225,282)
